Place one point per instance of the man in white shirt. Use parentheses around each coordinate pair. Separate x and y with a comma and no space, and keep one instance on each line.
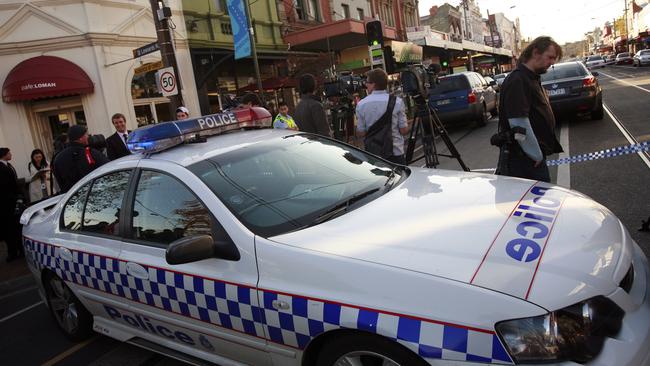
(373,107)
(116,143)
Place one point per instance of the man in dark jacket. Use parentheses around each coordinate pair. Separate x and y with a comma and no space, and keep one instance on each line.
(9,191)
(116,143)
(310,115)
(524,104)
(77,159)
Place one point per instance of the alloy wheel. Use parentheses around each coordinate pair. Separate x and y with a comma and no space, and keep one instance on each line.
(63,305)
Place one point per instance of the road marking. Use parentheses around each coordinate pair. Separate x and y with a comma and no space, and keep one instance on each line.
(20,312)
(17,292)
(625,82)
(564,171)
(68,352)
(630,138)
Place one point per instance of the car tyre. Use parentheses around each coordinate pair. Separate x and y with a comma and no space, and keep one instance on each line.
(74,320)
(599,113)
(482,117)
(366,349)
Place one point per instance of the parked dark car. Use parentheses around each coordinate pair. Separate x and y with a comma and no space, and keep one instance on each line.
(623,58)
(500,78)
(573,89)
(466,96)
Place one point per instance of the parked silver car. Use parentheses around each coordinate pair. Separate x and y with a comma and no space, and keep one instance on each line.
(641,58)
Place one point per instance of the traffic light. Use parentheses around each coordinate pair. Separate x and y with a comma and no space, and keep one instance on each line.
(375,33)
(444,60)
(445,63)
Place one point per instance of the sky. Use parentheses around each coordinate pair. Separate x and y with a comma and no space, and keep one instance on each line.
(564,20)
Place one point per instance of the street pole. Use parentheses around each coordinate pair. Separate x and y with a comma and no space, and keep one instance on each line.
(492,26)
(256,64)
(627,33)
(167,53)
(469,53)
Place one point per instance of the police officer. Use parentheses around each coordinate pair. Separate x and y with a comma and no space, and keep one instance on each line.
(76,160)
(283,119)
(524,104)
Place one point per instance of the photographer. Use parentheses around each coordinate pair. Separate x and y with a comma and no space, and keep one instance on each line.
(76,160)
(381,119)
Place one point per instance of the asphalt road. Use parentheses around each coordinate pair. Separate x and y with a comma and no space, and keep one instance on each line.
(28,334)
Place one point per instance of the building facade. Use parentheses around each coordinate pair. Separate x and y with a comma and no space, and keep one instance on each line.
(446,19)
(471,21)
(67,62)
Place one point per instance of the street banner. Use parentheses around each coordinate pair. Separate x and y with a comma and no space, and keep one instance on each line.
(239,23)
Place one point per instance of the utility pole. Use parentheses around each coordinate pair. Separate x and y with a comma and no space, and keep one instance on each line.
(256,64)
(465,5)
(161,15)
(627,33)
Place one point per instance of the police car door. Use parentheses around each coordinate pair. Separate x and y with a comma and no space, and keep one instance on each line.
(206,308)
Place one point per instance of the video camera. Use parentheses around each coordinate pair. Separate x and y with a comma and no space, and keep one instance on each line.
(418,79)
(97,141)
(345,84)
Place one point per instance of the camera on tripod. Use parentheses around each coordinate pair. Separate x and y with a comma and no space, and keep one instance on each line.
(418,79)
(345,84)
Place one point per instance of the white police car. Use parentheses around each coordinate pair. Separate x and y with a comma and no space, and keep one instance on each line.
(269,247)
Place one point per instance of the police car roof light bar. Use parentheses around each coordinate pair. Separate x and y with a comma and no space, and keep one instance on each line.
(162,136)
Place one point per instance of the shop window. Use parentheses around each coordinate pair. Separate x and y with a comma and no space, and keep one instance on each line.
(144,86)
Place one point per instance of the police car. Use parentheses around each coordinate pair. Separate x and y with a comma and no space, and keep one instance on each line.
(227,244)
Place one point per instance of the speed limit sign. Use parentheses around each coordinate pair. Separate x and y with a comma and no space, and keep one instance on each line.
(166,81)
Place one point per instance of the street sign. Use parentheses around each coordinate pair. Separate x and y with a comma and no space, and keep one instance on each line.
(151,66)
(145,50)
(166,81)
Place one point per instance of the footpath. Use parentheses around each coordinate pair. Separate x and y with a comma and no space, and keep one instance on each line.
(13,275)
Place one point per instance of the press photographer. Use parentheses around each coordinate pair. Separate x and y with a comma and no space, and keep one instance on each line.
(79,158)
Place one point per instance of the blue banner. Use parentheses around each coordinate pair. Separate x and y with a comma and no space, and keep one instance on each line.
(239,23)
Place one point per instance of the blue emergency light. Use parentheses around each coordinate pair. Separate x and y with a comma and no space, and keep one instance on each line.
(162,136)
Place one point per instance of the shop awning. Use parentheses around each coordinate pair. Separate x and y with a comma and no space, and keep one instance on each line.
(43,77)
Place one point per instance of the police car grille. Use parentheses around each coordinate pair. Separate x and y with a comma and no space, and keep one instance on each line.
(628,280)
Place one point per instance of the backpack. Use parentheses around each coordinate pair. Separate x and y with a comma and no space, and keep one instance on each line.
(379,139)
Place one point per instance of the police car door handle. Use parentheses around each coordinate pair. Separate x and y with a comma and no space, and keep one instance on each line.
(137,271)
(280,305)
(65,254)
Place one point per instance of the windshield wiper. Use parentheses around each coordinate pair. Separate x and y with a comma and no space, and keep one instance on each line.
(341,207)
(391,177)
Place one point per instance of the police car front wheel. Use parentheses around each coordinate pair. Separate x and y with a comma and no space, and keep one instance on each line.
(70,314)
(366,350)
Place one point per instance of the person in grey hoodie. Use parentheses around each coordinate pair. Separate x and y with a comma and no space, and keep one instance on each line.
(310,114)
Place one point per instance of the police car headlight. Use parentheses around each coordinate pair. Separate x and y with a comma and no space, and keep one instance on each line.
(575,333)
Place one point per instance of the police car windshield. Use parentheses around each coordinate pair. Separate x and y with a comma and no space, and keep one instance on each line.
(285,184)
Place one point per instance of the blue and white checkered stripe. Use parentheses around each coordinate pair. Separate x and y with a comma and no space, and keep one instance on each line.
(306,318)
(235,307)
(602,154)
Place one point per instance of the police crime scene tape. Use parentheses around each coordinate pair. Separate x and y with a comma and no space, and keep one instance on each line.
(602,154)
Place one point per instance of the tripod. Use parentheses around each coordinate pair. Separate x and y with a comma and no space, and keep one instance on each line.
(427,125)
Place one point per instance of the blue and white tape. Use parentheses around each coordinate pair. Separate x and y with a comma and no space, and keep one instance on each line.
(602,154)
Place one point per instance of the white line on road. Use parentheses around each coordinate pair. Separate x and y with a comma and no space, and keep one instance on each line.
(564,171)
(20,312)
(625,82)
(17,292)
(627,135)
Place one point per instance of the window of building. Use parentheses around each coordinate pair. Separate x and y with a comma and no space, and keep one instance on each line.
(102,212)
(226,28)
(222,6)
(346,11)
(314,11)
(299,7)
(165,210)
(360,13)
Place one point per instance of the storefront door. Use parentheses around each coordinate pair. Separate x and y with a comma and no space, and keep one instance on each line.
(54,118)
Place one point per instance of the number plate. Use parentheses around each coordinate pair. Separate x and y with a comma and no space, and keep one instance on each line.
(443,102)
(554,92)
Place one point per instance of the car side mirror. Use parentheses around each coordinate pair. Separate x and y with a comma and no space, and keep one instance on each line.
(595,73)
(190,249)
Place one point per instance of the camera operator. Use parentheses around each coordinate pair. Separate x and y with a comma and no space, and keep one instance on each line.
(381,119)
(76,160)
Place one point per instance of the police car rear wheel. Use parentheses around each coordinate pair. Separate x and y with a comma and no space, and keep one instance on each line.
(366,350)
(70,315)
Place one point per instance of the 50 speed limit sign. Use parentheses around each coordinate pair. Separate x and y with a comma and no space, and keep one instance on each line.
(166,81)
